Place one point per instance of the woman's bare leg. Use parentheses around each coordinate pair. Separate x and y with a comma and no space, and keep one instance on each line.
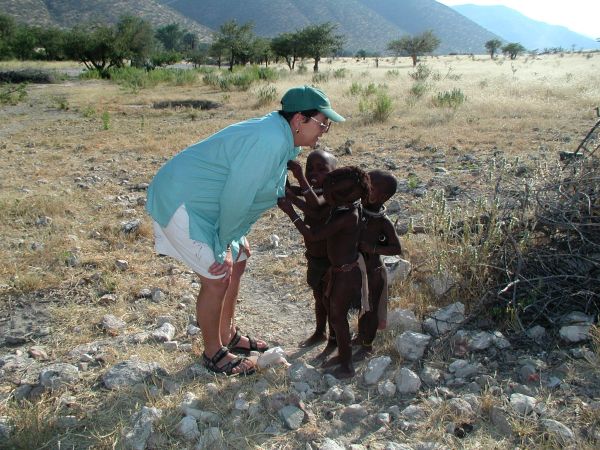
(209,311)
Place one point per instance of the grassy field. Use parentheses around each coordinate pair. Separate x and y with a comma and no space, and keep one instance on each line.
(76,155)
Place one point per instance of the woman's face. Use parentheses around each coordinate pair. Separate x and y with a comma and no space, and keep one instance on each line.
(310,129)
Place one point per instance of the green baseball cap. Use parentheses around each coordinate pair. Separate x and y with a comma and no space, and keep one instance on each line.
(303,98)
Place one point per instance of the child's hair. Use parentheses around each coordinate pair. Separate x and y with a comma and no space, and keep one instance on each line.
(348,184)
(385,181)
(325,155)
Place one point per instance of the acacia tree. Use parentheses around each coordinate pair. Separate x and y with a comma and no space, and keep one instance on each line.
(7,30)
(135,40)
(414,46)
(513,49)
(492,45)
(171,36)
(236,39)
(287,46)
(320,40)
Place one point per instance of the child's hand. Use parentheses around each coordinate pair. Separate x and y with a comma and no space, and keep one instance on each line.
(285,205)
(296,169)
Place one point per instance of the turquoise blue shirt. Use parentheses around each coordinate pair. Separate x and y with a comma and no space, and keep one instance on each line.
(226,181)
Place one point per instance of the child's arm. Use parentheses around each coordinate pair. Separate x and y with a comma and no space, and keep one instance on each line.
(312,199)
(316,233)
(393,246)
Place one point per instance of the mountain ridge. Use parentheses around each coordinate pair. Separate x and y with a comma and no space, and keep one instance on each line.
(513,26)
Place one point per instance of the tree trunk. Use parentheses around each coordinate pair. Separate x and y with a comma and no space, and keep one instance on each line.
(316,66)
(414,59)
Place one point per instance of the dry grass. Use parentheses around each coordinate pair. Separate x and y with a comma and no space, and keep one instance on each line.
(61,162)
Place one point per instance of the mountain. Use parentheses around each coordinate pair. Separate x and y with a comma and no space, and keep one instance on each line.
(513,26)
(366,24)
(68,13)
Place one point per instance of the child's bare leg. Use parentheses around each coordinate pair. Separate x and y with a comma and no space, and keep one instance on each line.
(339,305)
(321,321)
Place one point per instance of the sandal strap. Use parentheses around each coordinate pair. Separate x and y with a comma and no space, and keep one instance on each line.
(235,339)
(221,353)
(252,343)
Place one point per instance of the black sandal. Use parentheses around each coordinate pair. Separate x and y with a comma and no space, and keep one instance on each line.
(233,344)
(227,369)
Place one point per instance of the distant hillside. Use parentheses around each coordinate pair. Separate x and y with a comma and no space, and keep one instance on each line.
(513,26)
(366,24)
(68,13)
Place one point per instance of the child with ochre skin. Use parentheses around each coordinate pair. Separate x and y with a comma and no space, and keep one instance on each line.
(378,237)
(318,164)
(342,189)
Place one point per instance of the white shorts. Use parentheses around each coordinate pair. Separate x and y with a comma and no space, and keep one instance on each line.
(174,241)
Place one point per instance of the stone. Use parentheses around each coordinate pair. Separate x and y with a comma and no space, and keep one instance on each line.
(575,333)
(522,404)
(431,376)
(292,416)
(112,324)
(500,420)
(59,375)
(407,382)
(445,319)
(136,436)
(411,346)
(403,320)
(352,414)
(164,333)
(130,372)
(537,333)
(330,444)
(375,368)
(481,341)
(121,265)
(386,388)
(187,428)
(211,438)
(560,431)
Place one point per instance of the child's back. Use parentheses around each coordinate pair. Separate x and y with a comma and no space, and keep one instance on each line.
(378,238)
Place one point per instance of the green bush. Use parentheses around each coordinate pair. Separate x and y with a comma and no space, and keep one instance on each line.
(12,94)
(320,77)
(302,68)
(266,95)
(376,108)
(355,88)
(451,99)
(393,73)
(421,73)
(340,73)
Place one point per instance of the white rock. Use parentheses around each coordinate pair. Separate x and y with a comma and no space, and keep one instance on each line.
(375,369)
(407,382)
(411,345)
(558,429)
(386,388)
(445,319)
(522,404)
(188,428)
(575,333)
(403,320)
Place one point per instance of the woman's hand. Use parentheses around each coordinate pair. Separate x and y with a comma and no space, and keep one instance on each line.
(226,267)
(296,169)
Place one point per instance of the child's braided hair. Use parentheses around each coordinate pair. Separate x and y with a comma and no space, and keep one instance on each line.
(348,184)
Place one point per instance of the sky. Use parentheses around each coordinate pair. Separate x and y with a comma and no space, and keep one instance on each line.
(581,16)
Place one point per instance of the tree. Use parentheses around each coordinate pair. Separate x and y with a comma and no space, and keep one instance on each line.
(261,51)
(52,43)
(23,42)
(7,28)
(420,44)
(287,46)
(513,49)
(319,40)
(94,47)
(236,40)
(134,40)
(171,36)
(190,41)
(492,45)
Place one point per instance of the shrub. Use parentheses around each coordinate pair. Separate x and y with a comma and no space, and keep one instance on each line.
(451,99)
(320,77)
(266,95)
(393,73)
(302,68)
(340,73)
(377,108)
(12,94)
(421,73)
(355,88)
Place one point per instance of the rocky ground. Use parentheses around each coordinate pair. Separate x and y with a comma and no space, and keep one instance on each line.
(98,347)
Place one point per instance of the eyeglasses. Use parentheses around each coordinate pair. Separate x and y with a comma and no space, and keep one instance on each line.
(324,126)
